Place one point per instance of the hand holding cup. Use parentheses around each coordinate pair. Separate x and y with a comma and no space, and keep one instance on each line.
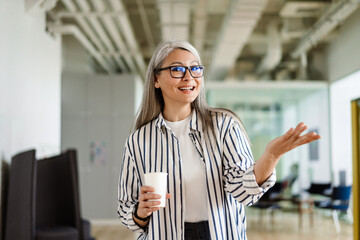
(153,194)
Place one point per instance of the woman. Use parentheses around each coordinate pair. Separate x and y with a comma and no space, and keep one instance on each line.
(205,151)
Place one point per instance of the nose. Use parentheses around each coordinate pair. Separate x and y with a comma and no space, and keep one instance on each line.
(187,75)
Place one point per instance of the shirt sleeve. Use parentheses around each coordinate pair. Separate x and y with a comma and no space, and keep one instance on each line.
(128,192)
(238,165)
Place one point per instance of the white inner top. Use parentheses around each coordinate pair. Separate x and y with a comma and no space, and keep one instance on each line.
(194,176)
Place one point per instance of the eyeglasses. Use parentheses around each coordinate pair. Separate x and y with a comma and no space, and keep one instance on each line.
(180,71)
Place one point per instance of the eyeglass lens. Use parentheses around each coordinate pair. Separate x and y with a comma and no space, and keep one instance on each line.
(180,71)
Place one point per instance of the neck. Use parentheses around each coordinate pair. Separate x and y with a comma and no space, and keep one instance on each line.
(175,114)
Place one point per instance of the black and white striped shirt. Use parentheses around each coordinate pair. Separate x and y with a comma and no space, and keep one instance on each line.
(229,171)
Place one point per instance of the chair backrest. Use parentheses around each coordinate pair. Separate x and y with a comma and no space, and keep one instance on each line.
(72,156)
(319,188)
(5,172)
(57,192)
(20,214)
(273,192)
(341,193)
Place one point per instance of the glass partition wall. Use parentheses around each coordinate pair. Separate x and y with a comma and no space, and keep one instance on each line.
(268,110)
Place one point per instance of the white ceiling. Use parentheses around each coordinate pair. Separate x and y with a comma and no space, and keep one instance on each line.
(237,39)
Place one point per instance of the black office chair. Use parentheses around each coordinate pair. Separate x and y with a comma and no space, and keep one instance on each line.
(58,201)
(272,195)
(339,202)
(5,173)
(269,201)
(57,212)
(323,189)
(20,214)
(85,224)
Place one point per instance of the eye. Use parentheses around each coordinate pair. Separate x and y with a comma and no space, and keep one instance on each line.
(178,69)
(195,68)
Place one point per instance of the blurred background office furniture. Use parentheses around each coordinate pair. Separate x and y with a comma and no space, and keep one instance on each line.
(275,199)
(303,206)
(339,202)
(5,171)
(20,212)
(269,203)
(58,199)
(319,192)
(57,206)
(323,189)
(43,199)
(271,196)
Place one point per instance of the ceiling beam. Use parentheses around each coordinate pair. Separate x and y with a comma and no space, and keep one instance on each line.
(174,19)
(239,22)
(335,15)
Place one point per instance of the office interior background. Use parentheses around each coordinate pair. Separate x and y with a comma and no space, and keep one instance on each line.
(72,75)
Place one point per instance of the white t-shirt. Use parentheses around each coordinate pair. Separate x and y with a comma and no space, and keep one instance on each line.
(193,173)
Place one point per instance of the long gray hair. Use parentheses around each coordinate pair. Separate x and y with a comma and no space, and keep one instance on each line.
(153,102)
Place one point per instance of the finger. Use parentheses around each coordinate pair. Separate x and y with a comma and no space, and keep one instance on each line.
(145,189)
(298,130)
(153,209)
(149,196)
(288,134)
(168,196)
(307,138)
(144,212)
(149,204)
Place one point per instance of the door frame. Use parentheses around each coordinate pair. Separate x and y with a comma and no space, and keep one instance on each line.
(355,122)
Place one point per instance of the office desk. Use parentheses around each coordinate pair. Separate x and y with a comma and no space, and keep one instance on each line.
(301,206)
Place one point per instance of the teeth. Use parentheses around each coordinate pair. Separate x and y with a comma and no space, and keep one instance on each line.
(187,88)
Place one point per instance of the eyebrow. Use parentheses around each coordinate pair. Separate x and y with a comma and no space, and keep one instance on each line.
(195,61)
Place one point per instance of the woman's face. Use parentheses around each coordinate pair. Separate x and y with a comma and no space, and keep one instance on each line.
(177,91)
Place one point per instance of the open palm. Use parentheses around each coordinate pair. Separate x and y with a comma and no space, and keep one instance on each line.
(290,140)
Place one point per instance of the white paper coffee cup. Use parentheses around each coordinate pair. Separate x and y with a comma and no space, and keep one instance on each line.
(157,180)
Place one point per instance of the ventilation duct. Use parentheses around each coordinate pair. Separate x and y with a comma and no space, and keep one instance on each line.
(75,31)
(239,23)
(108,31)
(274,49)
(335,14)
(174,19)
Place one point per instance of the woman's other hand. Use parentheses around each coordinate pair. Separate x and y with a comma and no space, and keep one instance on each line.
(290,140)
(278,147)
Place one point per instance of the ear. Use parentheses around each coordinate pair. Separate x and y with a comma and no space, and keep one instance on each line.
(156,84)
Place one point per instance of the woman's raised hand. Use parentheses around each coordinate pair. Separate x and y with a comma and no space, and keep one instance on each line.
(290,140)
(278,147)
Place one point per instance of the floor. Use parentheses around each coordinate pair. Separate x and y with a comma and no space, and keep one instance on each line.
(285,226)
(282,226)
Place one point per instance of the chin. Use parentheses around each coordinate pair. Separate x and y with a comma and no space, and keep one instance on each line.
(191,100)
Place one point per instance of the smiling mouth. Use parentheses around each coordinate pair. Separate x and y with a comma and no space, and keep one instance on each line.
(187,88)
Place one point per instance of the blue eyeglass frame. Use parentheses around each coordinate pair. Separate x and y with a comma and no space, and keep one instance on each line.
(202,67)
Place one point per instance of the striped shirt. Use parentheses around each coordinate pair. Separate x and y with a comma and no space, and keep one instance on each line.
(229,171)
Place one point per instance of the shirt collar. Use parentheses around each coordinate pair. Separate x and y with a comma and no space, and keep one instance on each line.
(195,122)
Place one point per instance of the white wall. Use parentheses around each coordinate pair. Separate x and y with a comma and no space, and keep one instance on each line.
(289,119)
(30,63)
(341,94)
(344,51)
(75,59)
(98,109)
(343,65)
(313,110)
